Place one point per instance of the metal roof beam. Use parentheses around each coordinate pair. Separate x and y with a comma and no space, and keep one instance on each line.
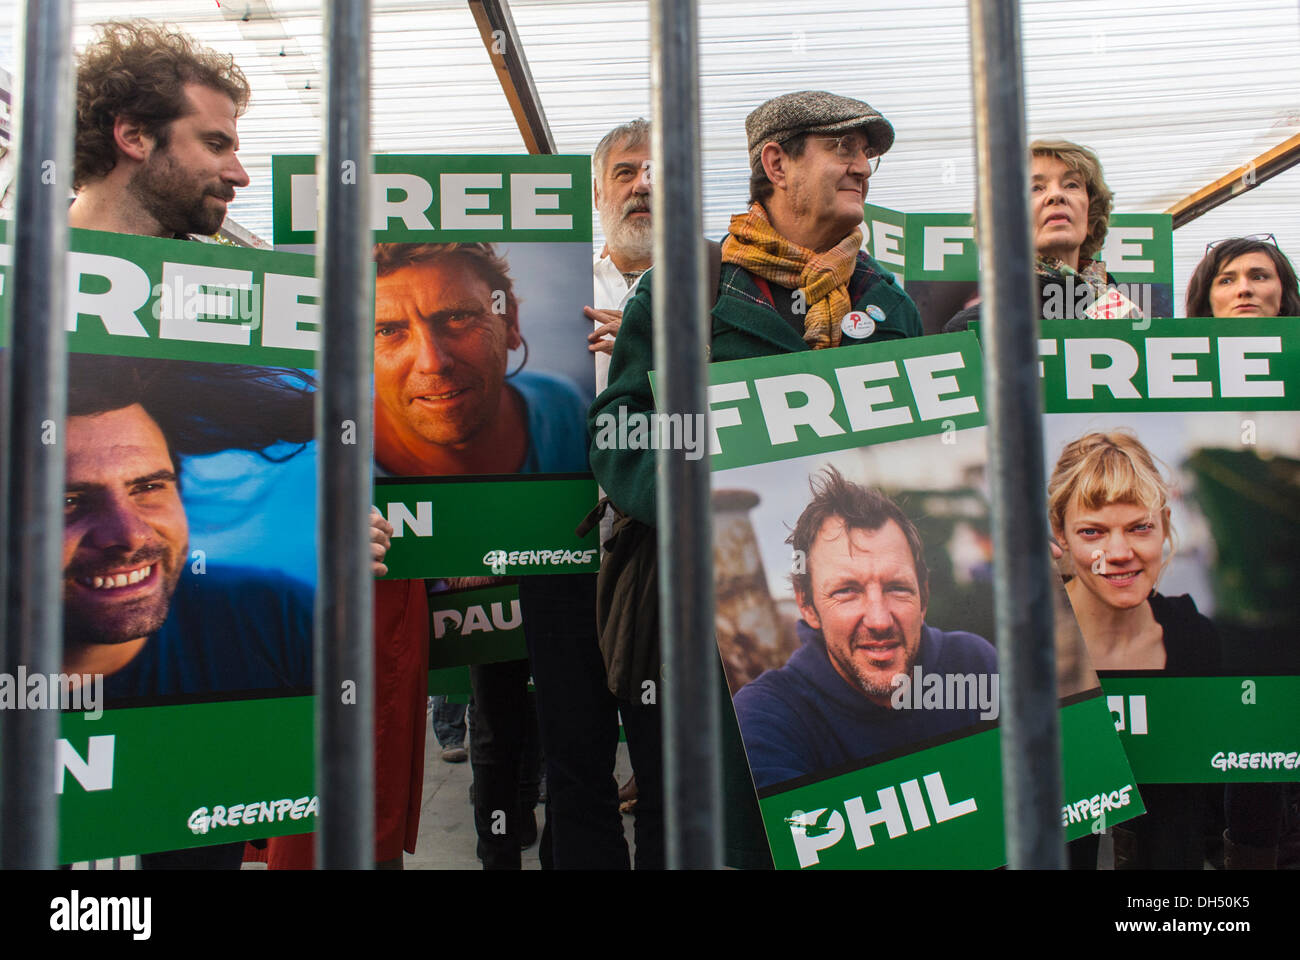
(1264,167)
(506,49)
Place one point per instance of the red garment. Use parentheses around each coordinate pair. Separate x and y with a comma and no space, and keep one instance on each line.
(401,623)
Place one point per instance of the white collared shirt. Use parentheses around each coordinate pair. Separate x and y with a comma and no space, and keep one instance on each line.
(611,293)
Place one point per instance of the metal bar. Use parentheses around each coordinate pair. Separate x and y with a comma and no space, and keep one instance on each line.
(506,49)
(1247,177)
(692,781)
(36,395)
(344,645)
(1030,738)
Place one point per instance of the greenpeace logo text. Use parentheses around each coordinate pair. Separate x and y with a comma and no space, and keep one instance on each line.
(651,431)
(76,913)
(1090,808)
(54,691)
(1277,760)
(247,814)
(522,558)
(946,691)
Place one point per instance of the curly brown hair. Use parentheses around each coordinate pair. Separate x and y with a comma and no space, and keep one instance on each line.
(138,69)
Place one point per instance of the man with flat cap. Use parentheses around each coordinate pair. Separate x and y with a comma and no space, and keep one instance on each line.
(793,277)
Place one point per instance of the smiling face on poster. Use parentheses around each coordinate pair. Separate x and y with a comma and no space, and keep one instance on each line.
(482,271)
(471,376)
(853,574)
(1173,492)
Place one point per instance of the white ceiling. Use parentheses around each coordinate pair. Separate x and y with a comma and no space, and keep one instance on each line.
(1172,94)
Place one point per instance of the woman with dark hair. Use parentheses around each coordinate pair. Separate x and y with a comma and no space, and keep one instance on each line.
(1244,277)
(1247,277)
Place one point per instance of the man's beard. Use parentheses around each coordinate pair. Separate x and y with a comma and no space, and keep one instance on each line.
(633,239)
(876,682)
(130,620)
(172,198)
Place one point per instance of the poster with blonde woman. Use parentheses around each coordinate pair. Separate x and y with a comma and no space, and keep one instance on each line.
(1173,459)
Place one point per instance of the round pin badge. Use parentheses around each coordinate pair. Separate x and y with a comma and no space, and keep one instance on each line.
(858,325)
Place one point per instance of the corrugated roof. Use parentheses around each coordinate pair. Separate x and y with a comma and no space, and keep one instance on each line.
(1172,94)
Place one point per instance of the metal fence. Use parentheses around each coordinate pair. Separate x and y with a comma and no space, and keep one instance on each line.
(33,467)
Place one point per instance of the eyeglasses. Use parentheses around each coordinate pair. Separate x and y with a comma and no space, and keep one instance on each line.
(1256,237)
(849,146)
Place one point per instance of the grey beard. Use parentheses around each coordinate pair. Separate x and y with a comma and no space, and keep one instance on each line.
(632,241)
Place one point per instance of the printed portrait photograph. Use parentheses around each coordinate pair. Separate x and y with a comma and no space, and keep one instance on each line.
(189,543)
(481,359)
(854,598)
(1187,521)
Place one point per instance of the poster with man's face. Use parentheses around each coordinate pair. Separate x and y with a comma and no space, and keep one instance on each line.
(853,584)
(482,270)
(1176,454)
(189,555)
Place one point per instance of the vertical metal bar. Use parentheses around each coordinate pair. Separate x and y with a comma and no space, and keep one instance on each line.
(692,782)
(344,650)
(36,394)
(1030,738)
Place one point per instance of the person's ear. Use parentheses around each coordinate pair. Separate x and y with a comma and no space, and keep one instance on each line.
(775,162)
(131,140)
(514,339)
(807,610)
(595,193)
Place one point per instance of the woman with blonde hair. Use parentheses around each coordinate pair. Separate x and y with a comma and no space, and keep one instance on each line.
(1069,207)
(1109,508)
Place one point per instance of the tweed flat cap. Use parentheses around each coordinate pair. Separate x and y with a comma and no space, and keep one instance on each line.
(814,111)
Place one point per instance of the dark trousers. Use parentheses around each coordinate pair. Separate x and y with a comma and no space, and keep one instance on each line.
(579,727)
(503,756)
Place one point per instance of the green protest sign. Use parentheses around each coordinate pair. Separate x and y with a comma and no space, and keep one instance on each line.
(883,232)
(487,526)
(1183,565)
(190,389)
(1187,365)
(937,258)
(794,404)
(169,299)
(940,246)
(168,777)
(475,626)
(1139,248)
(482,372)
(852,564)
(1242,730)
(427,198)
(451,682)
(941,808)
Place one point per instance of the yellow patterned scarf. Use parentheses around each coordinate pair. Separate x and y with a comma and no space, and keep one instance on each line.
(755,245)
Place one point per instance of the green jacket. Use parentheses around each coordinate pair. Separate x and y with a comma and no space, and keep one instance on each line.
(745,324)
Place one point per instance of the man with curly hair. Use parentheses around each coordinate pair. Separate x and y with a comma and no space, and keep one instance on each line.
(156,142)
(156,146)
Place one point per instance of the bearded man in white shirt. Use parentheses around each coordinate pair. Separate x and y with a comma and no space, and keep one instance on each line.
(621,165)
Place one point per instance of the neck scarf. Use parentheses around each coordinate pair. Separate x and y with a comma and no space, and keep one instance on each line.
(755,245)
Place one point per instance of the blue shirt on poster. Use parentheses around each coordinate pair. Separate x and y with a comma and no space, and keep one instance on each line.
(557,423)
(805,718)
(235,629)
